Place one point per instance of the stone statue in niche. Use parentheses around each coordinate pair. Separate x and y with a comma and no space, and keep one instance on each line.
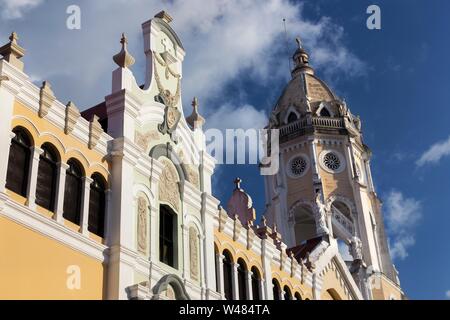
(193,252)
(356,248)
(168,186)
(320,214)
(142,225)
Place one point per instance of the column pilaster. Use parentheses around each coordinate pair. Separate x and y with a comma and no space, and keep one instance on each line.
(32,177)
(84,223)
(60,189)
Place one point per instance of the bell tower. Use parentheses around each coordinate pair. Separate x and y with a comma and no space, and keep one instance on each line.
(323,189)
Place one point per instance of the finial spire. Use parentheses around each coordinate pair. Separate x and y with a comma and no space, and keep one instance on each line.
(238,182)
(14,37)
(195,103)
(301,60)
(12,52)
(124,59)
(195,120)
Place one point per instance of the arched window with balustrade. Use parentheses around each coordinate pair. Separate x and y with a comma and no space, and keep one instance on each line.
(256,284)
(228,275)
(276,289)
(97,205)
(242,279)
(287,293)
(73,192)
(47,177)
(292,117)
(19,162)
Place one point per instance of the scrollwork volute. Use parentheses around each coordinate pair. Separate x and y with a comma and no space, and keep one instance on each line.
(168,186)
(142,208)
(143,139)
(193,252)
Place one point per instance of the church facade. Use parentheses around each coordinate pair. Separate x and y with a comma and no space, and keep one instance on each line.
(116,202)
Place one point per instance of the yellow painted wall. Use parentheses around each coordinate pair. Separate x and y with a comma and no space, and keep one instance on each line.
(33,266)
(337,182)
(332,288)
(385,290)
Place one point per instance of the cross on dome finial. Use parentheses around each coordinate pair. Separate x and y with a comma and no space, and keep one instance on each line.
(195,103)
(124,40)
(12,52)
(195,120)
(238,182)
(299,42)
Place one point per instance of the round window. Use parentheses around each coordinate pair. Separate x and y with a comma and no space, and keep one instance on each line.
(332,161)
(298,166)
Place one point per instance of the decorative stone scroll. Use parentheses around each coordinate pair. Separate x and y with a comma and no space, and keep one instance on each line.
(46,99)
(142,216)
(72,116)
(193,252)
(95,130)
(168,186)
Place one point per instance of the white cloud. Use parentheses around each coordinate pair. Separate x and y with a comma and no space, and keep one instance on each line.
(224,40)
(402,216)
(230,117)
(435,153)
(14,9)
(447,294)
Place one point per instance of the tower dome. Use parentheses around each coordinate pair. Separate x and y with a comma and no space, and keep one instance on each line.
(305,92)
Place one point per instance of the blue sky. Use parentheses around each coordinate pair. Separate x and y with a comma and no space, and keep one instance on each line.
(396,79)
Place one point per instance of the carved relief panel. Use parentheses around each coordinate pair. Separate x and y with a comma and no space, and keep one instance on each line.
(194,253)
(168,185)
(142,219)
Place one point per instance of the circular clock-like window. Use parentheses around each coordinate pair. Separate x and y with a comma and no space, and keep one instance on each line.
(298,166)
(332,161)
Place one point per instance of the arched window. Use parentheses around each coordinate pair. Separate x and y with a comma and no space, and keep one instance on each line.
(305,224)
(72,192)
(242,279)
(97,200)
(46,178)
(292,117)
(298,296)
(228,275)
(287,293)
(168,236)
(276,290)
(256,284)
(325,113)
(19,162)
